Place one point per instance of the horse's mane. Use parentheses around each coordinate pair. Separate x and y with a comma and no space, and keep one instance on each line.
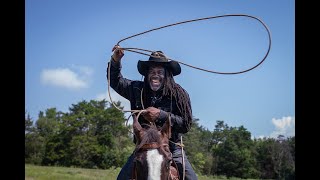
(151,135)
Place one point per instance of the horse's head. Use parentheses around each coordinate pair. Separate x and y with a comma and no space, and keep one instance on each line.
(152,155)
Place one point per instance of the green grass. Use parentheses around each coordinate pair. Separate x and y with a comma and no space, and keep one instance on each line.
(33,172)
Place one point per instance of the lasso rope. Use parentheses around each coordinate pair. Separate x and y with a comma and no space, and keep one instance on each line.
(138,50)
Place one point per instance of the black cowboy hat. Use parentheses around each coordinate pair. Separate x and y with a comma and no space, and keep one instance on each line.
(158,57)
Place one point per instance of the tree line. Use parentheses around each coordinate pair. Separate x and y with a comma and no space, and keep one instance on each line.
(94,134)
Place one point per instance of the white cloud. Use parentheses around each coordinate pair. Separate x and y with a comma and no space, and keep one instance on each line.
(284,126)
(66,78)
(83,69)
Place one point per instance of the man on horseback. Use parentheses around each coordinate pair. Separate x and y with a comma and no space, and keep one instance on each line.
(161,97)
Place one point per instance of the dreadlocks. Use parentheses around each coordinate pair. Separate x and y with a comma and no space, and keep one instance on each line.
(174,90)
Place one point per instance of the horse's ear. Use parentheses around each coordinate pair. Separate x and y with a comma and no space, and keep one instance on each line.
(137,129)
(166,128)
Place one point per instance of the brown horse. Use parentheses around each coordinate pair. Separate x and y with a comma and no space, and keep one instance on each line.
(153,159)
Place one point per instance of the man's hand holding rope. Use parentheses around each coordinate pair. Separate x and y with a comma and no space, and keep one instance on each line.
(118,53)
(151,114)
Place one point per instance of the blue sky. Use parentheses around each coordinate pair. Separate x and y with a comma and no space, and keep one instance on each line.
(68,44)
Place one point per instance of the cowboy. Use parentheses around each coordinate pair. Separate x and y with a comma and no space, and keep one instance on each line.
(161,97)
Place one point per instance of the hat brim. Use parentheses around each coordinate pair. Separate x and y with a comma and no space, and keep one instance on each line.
(172,66)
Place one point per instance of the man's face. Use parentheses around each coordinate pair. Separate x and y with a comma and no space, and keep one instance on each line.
(156,77)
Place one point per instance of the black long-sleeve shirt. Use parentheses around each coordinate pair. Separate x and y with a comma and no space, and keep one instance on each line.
(131,90)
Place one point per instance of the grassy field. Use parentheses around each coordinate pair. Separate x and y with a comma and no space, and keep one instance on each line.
(50,173)
(63,173)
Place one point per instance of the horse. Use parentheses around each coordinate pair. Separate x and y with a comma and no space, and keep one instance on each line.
(152,156)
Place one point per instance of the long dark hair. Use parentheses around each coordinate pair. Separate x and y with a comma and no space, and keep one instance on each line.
(173,90)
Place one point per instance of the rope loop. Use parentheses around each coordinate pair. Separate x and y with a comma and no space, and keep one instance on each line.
(138,50)
(142,51)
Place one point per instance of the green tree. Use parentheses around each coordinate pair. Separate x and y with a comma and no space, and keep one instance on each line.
(275,157)
(47,124)
(235,152)
(28,123)
(282,158)
(34,143)
(197,146)
(91,135)
(264,148)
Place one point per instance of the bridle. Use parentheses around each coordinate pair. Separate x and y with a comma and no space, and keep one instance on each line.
(154,145)
(149,146)
(162,145)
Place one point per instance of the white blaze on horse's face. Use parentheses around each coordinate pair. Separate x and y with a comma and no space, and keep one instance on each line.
(149,161)
(154,160)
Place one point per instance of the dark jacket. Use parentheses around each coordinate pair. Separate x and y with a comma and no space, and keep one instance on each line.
(131,90)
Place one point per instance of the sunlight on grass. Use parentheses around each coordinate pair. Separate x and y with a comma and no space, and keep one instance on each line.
(33,172)
(46,173)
